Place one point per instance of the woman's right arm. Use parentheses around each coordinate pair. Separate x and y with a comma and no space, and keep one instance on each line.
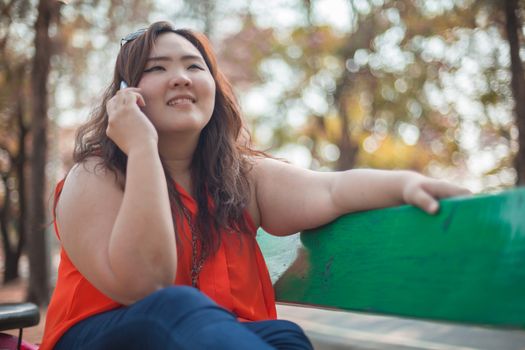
(122,242)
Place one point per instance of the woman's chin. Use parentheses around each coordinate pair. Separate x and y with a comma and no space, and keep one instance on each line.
(190,127)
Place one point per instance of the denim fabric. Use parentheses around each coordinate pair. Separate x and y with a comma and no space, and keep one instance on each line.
(179,317)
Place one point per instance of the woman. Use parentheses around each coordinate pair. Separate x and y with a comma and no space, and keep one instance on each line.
(167,191)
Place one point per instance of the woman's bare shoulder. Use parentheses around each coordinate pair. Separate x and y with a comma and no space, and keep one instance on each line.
(92,171)
(87,183)
(257,166)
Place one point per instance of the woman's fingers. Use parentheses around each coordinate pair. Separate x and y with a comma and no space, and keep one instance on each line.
(140,100)
(425,201)
(128,126)
(123,98)
(443,189)
(426,193)
(135,96)
(129,94)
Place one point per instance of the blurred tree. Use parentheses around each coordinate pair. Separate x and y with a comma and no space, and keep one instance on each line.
(88,41)
(14,120)
(412,84)
(48,12)
(39,74)
(348,71)
(79,31)
(204,11)
(513,26)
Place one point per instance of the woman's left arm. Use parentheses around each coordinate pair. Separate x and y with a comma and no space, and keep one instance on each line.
(292,199)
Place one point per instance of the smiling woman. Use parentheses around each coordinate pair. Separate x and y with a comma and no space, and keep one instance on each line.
(158,217)
(160,198)
(177,86)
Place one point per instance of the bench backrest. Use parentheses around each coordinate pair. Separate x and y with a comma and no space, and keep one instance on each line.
(465,264)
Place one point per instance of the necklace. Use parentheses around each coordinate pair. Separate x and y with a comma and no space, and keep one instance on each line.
(196,263)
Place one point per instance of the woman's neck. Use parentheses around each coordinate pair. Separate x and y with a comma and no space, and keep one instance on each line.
(177,153)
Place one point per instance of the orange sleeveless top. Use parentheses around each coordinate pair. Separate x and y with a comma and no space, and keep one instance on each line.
(236,278)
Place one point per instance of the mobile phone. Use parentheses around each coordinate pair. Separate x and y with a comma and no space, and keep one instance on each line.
(123,85)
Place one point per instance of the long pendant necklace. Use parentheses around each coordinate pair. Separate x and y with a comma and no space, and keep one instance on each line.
(196,261)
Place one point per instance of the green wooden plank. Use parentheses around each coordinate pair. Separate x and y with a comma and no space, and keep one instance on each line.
(466,264)
(279,252)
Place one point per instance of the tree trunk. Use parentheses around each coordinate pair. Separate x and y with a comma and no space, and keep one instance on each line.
(37,246)
(15,218)
(20,164)
(347,148)
(513,28)
(10,211)
(11,262)
(10,258)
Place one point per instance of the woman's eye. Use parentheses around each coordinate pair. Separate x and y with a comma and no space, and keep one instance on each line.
(154,68)
(195,66)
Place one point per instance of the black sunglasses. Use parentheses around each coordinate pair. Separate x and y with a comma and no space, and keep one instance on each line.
(132,36)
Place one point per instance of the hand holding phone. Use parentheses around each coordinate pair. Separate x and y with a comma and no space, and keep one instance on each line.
(128,126)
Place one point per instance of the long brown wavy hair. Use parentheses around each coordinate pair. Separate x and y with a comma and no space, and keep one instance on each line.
(221,161)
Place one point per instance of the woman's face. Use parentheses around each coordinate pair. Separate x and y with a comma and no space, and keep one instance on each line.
(177,86)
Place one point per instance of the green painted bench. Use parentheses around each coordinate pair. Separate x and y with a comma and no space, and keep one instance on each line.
(465,265)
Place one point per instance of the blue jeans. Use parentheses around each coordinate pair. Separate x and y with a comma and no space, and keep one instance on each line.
(179,317)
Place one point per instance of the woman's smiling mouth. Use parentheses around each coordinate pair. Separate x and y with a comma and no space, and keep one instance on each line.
(181,100)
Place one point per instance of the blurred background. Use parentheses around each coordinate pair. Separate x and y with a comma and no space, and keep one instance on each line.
(435,86)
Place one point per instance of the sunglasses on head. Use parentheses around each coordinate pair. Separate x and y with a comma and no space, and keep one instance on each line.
(132,36)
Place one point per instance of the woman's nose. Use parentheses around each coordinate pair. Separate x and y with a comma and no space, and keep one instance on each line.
(180,79)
